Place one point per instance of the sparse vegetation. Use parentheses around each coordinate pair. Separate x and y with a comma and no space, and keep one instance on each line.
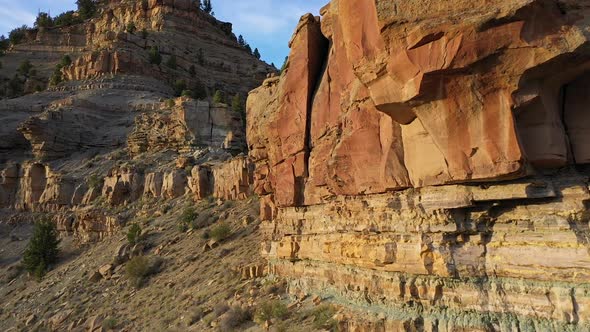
(4,44)
(134,234)
(138,269)
(274,309)
(95,182)
(144,33)
(42,251)
(192,71)
(324,317)
(188,216)
(169,103)
(233,318)
(220,232)
(109,324)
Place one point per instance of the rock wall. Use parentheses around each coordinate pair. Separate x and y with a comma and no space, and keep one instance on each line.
(402,161)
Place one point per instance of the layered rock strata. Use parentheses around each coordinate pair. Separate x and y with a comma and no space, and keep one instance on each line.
(406,163)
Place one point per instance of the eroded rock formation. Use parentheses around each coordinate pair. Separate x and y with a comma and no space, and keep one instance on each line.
(380,102)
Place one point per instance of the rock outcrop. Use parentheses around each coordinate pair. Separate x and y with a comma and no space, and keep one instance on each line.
(402,163)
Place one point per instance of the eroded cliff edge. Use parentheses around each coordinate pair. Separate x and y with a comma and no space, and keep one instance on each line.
(426,163)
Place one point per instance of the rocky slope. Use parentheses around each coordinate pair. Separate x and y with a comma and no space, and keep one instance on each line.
(425,164)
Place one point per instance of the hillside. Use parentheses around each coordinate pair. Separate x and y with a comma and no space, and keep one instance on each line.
(415,166)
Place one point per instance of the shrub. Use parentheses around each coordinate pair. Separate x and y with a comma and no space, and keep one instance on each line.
(131,27)
(271,310)
(144,33)
(187,93)
(220,309)
(235,317)
(220,232)
(218,97)
(199,91)
(66,19)
(65,61)
(42,250)
(323,317)
(155,56)
(192,71)
(141,267)
(4,44)
(25,68)
(169,103)
(17,35)
(134,234)
(188,215)
(109,324)
(179,86)
(16,86)
(94,181)
(171,62)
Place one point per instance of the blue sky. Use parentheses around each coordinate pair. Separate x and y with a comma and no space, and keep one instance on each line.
(266,24)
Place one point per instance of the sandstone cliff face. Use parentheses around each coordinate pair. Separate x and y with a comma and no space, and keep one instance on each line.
(379,97)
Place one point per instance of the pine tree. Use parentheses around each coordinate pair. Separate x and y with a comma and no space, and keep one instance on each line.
(237,105)
(257,54)
(241,41)
(201,57)
(218,97)
(43,20)
(42,250)
(192,71)
(155,57)
(206,6)
(285,64)
(86,8)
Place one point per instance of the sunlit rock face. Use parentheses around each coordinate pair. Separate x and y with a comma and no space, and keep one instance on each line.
(426,161)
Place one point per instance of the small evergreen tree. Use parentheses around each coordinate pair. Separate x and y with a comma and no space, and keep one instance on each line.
(155,56)
(144,33)
(4,44)
(25,68)
(134,234)
(285,64)
(65,61)
(86,8)
(257,54)
(43,20)
(207,7)
(171,62)
(218,97)
(179,86)
(187,93)
(248,48)
(237,104)
(42,250)
(66,19)
(131,28)
(192,71)
(241,41)
(18,34)
(199,91)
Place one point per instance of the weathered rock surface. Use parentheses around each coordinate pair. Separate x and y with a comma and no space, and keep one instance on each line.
(412,180)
